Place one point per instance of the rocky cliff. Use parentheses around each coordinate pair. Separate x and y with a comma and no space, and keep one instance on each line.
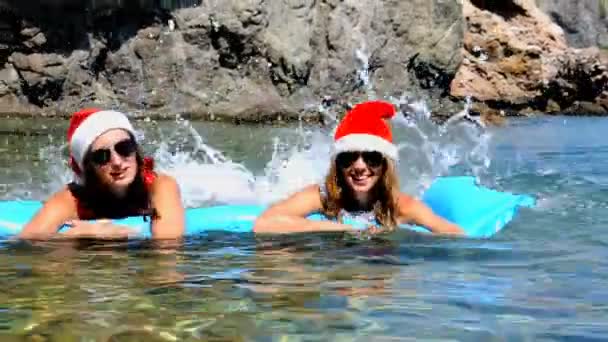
(247,60)
(585,23)
(251,60)
(518,59)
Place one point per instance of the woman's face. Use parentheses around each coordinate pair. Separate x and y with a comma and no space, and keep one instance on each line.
(361,170)
(113,155)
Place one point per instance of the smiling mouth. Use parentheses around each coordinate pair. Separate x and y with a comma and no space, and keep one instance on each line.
(359,179)
(118,174)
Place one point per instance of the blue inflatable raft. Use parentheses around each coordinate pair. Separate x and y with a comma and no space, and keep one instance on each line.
(480,211)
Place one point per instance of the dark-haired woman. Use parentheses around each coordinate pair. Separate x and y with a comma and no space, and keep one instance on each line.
(112,180)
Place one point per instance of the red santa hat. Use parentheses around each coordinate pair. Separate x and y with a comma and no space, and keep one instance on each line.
(88,124)
(364,128)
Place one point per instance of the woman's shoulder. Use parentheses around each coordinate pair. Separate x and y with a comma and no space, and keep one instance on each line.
(407,204)
(406,199)
(315,192)
(313,188)
(65,194)
(307,196)
(63,199)
(308,192)
(163,181)
(301,202)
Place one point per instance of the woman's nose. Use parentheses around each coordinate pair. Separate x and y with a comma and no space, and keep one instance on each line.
(115,158)
(359,163)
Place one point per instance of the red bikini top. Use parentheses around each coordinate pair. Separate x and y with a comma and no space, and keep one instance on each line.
(149,176)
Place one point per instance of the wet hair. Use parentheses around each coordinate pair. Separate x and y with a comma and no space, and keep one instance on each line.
(95,197)
(385,195)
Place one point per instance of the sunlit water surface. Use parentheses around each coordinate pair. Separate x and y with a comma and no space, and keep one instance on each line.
(543,278)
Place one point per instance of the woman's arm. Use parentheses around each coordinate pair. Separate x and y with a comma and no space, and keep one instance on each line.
(58,209)
(289,215)
(167,201)
(416,211)
(61,209)
(101,229)
(169,223)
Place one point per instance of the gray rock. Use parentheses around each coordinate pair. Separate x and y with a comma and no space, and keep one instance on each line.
(37,41)
(584,22)
(9,81)
(518,60)
(241,60)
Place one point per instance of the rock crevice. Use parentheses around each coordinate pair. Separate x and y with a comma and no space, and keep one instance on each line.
(255,60)
(227,58)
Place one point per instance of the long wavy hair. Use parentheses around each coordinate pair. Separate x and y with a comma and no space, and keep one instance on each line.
(385,195)
(95,197)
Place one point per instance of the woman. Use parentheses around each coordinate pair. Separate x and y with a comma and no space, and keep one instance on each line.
(112,180)
(362,182)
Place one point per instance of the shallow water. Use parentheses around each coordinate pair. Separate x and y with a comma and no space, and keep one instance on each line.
(542,278)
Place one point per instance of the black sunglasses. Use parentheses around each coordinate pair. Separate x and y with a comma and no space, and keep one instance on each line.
(371,158)
(124,148)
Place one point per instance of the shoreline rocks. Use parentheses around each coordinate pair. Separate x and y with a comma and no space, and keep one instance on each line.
(518,61)
(273,61)
(233,59)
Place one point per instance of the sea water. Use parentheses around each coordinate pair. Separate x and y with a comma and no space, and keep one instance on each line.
(542,278)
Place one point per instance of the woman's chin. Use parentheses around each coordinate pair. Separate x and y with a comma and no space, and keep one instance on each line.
(361,188)
(120,186)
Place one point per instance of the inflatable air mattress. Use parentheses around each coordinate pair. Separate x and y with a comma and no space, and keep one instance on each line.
(480,211)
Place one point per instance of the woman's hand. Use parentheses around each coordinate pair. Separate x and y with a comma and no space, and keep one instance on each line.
(368,232)
(102,230)
(415,211)
(289,215)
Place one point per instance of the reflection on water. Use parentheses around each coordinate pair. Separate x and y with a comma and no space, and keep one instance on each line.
(542,278)
(222,286)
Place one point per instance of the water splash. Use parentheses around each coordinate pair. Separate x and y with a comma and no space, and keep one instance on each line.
(293,167)
(363,72)
(207,175)
(427,150)
(297,157)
